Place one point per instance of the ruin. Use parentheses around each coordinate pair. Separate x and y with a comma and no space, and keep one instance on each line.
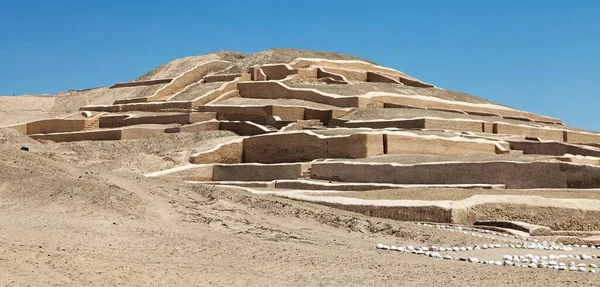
(333,131)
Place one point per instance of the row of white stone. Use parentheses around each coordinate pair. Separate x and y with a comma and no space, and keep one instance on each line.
(465,230)
(529,260)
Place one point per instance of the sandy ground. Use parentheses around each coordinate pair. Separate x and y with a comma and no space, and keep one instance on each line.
(67,219)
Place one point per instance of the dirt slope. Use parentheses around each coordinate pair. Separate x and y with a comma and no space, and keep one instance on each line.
(64,222)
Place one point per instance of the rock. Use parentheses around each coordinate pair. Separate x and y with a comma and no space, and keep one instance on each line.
(473,260)
(508,263)
(448,257)
(379,246)
(87,114)
(593,265)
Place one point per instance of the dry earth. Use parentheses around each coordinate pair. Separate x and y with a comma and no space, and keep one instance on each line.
(83,213)
(67,219)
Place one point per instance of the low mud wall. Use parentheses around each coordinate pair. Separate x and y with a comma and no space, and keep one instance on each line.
(581,137)
(555,218)
(228,153)
(380,78)
(140,83)
(513,174)
(402,213)
(542,133)
(553,148)
(52,126)
(408,144)
(81,136)
(277,90)
(306,146)
(420,123)
(257,172)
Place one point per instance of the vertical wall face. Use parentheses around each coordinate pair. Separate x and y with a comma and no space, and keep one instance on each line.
(545,134)
(512,174)
(355,146)
(279,148)
(403,144)
(228,153)
(256,172)
(55,126)
(277,71)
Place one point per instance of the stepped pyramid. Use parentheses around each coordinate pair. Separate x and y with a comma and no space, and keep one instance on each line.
(345,132)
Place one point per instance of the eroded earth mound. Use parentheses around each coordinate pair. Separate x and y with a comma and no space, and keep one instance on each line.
(287,167)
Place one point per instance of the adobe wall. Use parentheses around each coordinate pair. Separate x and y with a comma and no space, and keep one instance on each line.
(426,102)
(581,137)
(187,78)
(277,90)
(156,106)
(97,135)
(140,83)
(336,75)
(21,128)
(513,174)
(402,213)
(140,133)
(306,146)
(112,121)
(157,119)
(380,78)
(553,217)
(244,128)
(55,126)
(273,71)
(286,113)
(257,172)
(211,125)
(414,82)
(288,147)
(344,64)
(230,152)
(355,146)
(419,123)
(553,148)
(543,133)
(220,78)
(256,114)
(213,95)
(102,108)
(323,116)
(409,144)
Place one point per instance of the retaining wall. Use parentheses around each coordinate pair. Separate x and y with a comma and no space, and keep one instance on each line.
(512,174)
(140,83)
(380,78)
(553,148)
(581,137)
(538,132)
(409,144)
(277,90)
(420,123)
(257,172)
(229,153)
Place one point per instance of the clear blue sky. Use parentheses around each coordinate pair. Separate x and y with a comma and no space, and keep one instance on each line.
(541,56)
